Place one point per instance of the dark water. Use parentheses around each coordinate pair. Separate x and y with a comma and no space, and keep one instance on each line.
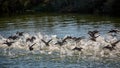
(61,25)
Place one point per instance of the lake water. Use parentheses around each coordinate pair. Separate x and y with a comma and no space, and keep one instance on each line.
(61,25)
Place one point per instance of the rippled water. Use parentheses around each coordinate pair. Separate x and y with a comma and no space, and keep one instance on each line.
(60,25)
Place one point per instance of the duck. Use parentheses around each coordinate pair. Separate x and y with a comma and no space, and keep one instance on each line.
(31,47)
(114,44)
(46,43)
(112,47)
(93,35)
(13,37)
(77,48)
(19,33)
(114,31)
(73,38)
(8,43)
(31,39)
(109,47)
(62,41)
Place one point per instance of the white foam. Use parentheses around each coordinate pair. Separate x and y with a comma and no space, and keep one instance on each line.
(90,48)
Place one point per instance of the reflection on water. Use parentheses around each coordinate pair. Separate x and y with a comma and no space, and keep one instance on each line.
(72,24)
(61,25)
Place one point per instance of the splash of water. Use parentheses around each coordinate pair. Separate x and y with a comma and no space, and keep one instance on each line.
(67,46)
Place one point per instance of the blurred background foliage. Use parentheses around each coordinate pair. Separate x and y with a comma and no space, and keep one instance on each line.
(102,7)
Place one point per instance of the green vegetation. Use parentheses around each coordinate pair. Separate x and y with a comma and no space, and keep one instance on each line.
(109,7)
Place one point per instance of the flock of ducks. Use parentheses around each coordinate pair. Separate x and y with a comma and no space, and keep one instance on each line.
(96,44)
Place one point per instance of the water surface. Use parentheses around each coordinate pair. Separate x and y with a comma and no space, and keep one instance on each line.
(60,25)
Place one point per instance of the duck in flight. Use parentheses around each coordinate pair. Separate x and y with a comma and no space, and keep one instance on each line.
(114,44)
(31,47)
(8,43)
(13,37)
(114,31)
(109,48)
(19,33)
(112,47)
(74,38)
(77,48)
(46,43)
(31,39)
(92,34)
(61,43)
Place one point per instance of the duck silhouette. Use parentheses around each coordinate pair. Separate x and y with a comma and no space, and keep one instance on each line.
(114,44)
(8,43)
(109,48)
(112,47)
(61,43)
(19,33)
(46,43)
(31,39)
(31,47)
(92,34)
(78,49)
(114,31)
(13,37)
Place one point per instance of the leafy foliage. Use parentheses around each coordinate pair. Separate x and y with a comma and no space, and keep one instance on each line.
(110,7)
